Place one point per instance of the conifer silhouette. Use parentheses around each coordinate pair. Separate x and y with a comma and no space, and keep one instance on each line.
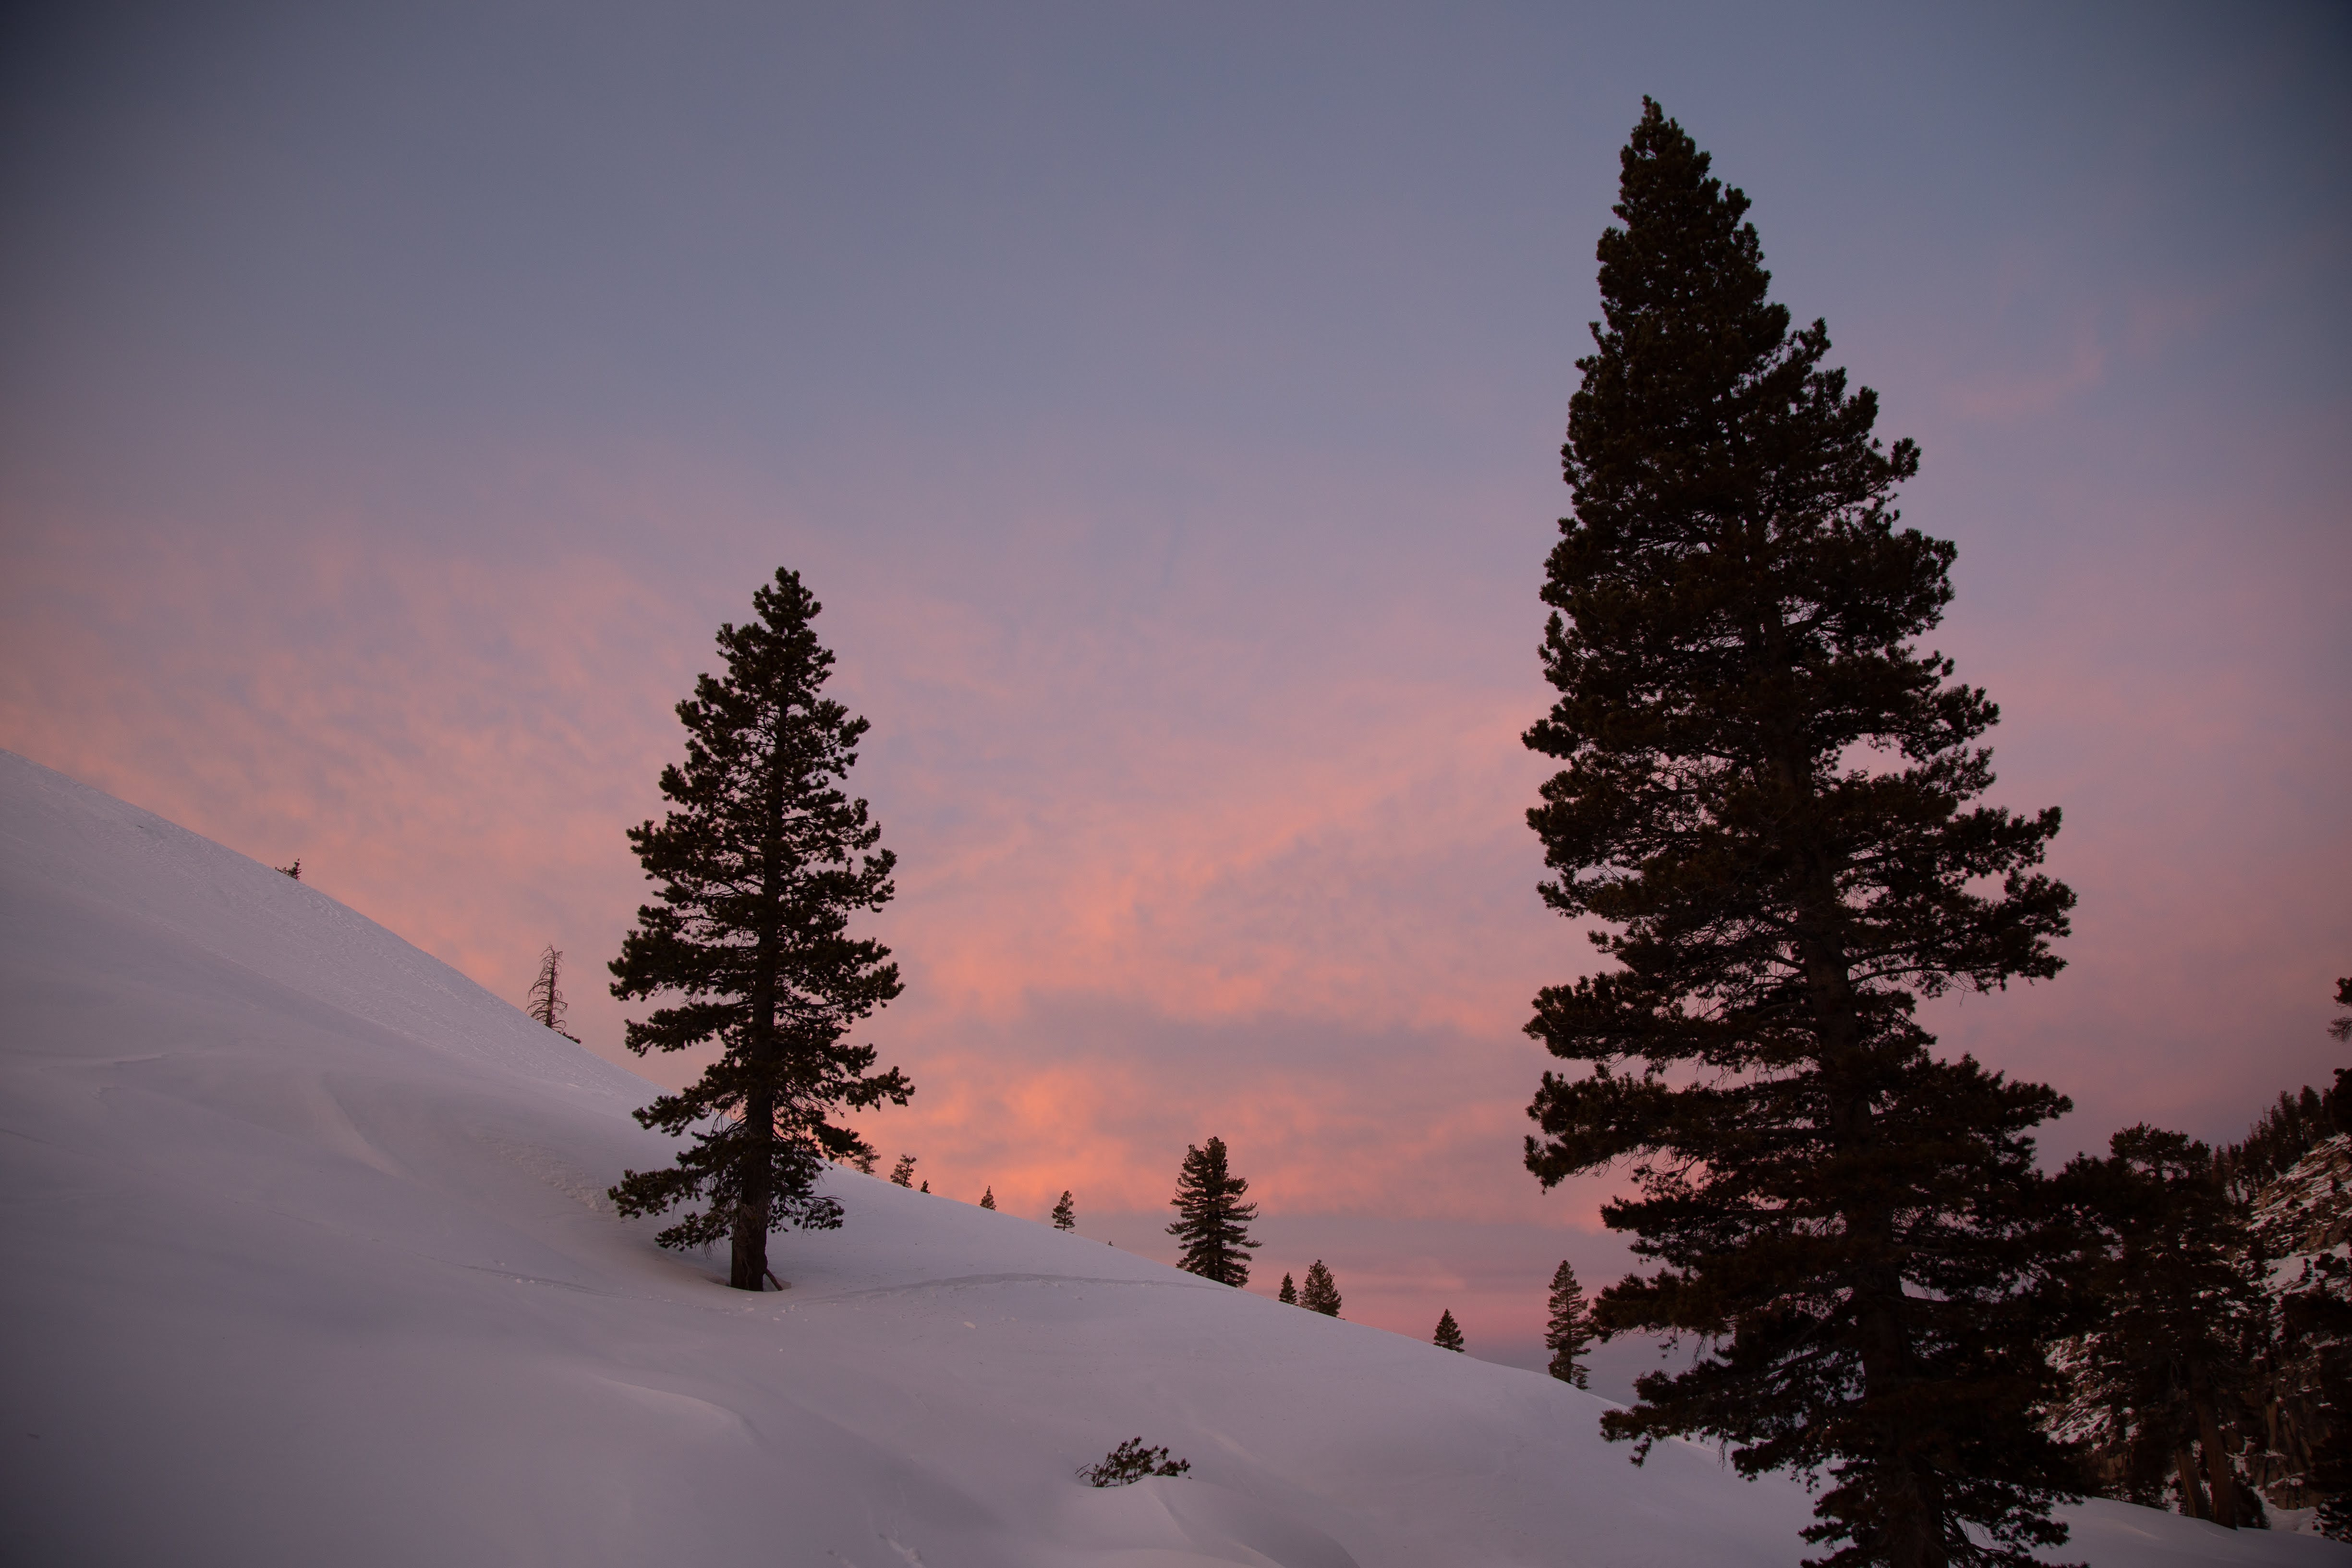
(1321,1293)
(1769,807)
(1212,1222)
(1288,1294)
(1571,1328)
(1449,1333)
(759,865)
(1066,1213)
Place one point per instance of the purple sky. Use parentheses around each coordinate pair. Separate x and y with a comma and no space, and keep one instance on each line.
(1164,401)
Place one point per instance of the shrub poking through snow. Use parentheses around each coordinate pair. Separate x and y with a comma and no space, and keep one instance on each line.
(1130,1462)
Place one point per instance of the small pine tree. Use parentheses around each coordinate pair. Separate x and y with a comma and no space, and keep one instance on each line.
(903,1173)
(863,1159)
(1320,1294)
(760,864)
(1066,1213)
(295,870)
(988,1198)
(1570,1331)
(1288,1294)
(547,1002)
(1212,1221)
(927,1186)
(1449,1333)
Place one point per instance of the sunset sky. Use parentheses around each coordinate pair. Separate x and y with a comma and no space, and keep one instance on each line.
(1164,401)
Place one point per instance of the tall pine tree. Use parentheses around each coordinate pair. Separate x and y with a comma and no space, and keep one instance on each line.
(1766,807)
(760,864)
(1212,1222)
(1569,1332)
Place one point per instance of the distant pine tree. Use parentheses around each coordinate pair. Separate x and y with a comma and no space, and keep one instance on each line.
(2281,1135)
(547,1003)
(1449,1333)
(1288,1294)
(863,1159)
(988,1198)
(1212,1222)
(2176,1302)
(761,863)
(1570,1330)
(903,1173)
(1066,1213)
(295,870)
(1319,1294)
(927,1186)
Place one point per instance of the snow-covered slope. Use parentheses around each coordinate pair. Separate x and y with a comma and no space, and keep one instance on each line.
(307,1262)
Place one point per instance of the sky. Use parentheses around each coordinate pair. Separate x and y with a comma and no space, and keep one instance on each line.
(1164,401)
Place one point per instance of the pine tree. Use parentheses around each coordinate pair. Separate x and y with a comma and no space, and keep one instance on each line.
(2177,1303)
(295,870)
(547,1003)
(759,865)
(988,1198)
(1288,1294)
(1570,1330)
(1766,807)
(1212,1222)
(903,1173)
(1449,1333)
(1319,1294)
(1066,1213)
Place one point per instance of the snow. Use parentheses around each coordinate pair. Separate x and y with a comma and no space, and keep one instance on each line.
(308,1261)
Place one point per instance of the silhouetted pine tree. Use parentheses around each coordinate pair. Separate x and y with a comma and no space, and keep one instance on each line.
(295,870)
(1449,1333)
(2279,1137)
(1212,1221)
(2178,1313)
(1569,1332)
(903,1173)
(1321,1293)
(1066,1213)
(988,1198)
(1766,802)
(1288,1294)
(760,864)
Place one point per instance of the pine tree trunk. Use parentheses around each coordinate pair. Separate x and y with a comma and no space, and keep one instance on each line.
(1909,1495)
(748,1269)
(2193,1491)
(2216,1460)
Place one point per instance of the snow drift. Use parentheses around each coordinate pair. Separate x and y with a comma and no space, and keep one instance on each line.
(308,1261)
